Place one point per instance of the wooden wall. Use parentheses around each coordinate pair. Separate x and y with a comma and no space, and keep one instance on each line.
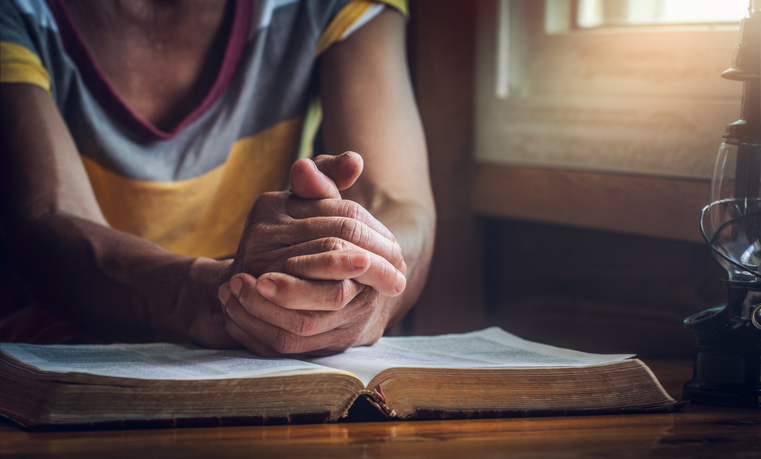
(588,289)
(597,291)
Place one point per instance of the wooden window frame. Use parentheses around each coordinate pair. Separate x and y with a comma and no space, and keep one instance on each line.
(631,120)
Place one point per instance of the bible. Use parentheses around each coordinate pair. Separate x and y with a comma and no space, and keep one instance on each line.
(489,373)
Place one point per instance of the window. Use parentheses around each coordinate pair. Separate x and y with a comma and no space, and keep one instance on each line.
(574,84)
(606,13)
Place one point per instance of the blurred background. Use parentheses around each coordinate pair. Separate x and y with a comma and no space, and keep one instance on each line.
(572,144)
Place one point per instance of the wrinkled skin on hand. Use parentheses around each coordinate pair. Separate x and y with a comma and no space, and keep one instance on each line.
(312,271)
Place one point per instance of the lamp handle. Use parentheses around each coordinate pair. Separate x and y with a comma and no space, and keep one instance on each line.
(721,228)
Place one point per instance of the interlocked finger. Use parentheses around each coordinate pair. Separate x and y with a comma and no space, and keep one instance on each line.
(277,331)
(304,208)
(364,267)
(310,295)
(352,231)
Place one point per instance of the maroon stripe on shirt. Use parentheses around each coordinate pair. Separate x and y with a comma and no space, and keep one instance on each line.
(109,99)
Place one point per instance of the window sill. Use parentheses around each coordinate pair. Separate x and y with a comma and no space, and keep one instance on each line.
(635,204)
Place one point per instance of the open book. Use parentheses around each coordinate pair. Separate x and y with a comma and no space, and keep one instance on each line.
(488,373)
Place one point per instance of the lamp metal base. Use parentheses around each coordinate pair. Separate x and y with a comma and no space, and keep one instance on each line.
(725,376)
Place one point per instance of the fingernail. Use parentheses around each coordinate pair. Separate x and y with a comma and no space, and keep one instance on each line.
(236,283)
(224,294)
(358,259)
(267,287)
(401,283)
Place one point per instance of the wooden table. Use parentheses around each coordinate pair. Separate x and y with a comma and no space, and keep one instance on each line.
(696,431)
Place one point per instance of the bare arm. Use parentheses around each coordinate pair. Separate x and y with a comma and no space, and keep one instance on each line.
(370,108)
(121,286)
(117,284)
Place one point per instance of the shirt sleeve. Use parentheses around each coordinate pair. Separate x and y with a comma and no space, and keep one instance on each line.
(24,27)
(353,16)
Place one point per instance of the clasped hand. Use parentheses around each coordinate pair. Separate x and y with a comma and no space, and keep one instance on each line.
(313,272)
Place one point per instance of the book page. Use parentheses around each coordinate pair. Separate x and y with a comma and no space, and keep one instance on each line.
(490,348)
(154,361)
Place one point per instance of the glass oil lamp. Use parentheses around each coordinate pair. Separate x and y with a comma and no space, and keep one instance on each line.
(727,365)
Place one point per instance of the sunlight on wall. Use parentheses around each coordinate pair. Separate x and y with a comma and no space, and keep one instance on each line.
(601,13)
(638,99)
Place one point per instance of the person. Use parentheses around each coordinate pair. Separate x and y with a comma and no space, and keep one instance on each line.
(145,147)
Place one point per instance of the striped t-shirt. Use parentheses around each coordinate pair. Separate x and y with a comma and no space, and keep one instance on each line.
(188,190)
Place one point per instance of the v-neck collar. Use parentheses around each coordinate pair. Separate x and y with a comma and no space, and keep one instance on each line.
(112,102)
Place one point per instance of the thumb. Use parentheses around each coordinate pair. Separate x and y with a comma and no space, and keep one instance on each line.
(309,183)
(325,176)
(343,169)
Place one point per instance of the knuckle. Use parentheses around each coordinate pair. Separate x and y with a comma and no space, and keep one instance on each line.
(352,231)
(343,293)
(396,258)
(399,261)
(387,272)
(352,210)
(333,262)
(330,244)
(264,201)
(305,325)
(295,266)
(269,206)
(372,302)
(284,342)
(368,298)
(247,300)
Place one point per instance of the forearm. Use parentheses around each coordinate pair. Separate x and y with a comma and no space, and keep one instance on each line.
(413,225)
(116,284)
(121,287)
(369,107)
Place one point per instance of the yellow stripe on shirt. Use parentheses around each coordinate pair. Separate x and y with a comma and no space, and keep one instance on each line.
(20,65)
(205,215)
(400,5)
(347,17)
